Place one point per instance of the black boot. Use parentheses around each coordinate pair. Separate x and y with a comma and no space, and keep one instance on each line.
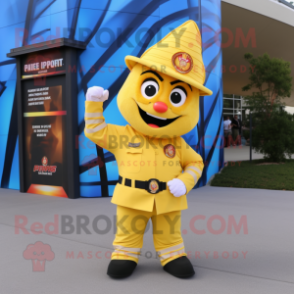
(119,269)
(180,268)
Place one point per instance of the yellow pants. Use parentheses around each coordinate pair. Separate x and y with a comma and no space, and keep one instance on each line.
(131,225)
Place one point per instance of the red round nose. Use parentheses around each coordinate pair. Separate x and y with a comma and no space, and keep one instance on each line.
(160,107)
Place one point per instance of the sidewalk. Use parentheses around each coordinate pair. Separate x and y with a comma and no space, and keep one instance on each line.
(228,259)
(240,153)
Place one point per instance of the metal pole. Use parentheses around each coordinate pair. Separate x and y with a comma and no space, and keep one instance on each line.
(250,136)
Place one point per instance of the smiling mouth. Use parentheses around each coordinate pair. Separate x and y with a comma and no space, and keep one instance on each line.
(155,121)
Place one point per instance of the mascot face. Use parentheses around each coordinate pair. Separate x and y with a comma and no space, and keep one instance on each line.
(158,105)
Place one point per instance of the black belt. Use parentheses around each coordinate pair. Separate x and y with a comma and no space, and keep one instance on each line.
(153,186)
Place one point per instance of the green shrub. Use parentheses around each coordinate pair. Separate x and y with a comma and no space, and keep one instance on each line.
(270,80)
(275,136)
(246,134)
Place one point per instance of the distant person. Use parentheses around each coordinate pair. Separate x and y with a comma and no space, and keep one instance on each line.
(227,131)
(236,128)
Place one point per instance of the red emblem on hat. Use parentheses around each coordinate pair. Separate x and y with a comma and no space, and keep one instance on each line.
(182,62)
(169,151)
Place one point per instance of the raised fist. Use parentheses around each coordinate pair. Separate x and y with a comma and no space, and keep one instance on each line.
(97,94)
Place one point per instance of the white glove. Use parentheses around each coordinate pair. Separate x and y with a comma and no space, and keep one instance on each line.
(177,187)
(97,94)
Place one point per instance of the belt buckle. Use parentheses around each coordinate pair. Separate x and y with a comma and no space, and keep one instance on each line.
(153,186)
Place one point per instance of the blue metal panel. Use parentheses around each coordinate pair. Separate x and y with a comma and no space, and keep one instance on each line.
(65,5)
(6,103)
(210,123)
(14,174)
(113,29)
(13,12)
(3,142)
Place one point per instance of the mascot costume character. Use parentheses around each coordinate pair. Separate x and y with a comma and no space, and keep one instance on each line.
(157,168)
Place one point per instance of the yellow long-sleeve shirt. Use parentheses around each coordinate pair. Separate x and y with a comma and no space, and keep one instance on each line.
(140,157)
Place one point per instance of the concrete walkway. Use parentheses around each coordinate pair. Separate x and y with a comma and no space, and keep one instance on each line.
(256,257)
(240,153)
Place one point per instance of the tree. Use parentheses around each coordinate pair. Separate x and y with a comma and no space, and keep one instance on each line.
(270,81)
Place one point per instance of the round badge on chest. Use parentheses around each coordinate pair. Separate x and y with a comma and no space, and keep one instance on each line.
(169,150)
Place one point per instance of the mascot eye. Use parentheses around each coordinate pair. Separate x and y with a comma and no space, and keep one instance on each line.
(149,88)
(178,96)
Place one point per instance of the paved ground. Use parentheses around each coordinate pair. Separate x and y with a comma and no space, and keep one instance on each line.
(258,261)
(238,153)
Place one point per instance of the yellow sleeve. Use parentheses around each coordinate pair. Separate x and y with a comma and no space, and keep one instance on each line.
(97,130)
(192,164)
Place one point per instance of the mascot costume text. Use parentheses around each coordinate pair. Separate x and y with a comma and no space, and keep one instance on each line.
(157,168)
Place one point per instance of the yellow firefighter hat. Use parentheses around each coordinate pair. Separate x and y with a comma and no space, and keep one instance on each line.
(179,55)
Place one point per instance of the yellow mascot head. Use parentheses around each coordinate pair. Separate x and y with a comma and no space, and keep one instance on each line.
(160,97)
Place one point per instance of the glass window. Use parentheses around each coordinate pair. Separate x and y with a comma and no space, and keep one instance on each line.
(243,114)
(230,113)
(233,106)
(288,3)
(228,103)
(237,104)
(238,113)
